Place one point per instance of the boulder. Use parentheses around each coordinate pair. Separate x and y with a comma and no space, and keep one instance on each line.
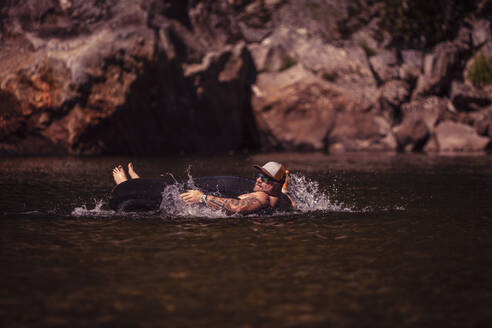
(346,67)
(361,131)
(412,135)
(294,109)
(452,137)
(418,120)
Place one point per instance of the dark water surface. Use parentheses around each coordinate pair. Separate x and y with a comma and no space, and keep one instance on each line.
(409,245)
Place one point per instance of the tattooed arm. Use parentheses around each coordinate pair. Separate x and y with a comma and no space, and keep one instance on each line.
(246,204)
(231,205)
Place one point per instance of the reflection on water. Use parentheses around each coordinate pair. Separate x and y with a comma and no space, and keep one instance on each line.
(412,250)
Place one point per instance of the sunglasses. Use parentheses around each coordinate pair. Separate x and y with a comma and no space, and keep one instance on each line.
(263,177)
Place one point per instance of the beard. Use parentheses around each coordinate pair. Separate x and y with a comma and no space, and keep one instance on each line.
(272,190)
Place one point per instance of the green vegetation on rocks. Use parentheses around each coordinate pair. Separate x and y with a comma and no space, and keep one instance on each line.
(480,73)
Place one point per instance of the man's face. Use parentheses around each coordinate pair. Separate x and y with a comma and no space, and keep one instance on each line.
(264,183)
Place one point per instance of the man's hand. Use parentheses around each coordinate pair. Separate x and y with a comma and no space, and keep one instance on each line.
(191,196)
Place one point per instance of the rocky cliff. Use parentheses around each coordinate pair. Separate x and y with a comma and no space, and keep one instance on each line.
(163,77)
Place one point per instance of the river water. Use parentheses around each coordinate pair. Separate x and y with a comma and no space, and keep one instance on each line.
(380,241)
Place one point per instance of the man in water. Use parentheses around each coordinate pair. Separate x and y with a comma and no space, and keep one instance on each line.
(267,191)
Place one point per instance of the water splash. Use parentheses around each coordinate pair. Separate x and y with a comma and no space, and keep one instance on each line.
(172,206)
(305,192)
(191,183)
(97,211)
(308,196)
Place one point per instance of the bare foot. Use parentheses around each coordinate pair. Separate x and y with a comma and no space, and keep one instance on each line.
(132,172)
(119,175)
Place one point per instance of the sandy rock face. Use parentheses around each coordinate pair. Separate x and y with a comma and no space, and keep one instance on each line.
(166,77)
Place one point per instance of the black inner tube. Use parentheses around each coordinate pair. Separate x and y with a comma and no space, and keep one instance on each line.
(146,194)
